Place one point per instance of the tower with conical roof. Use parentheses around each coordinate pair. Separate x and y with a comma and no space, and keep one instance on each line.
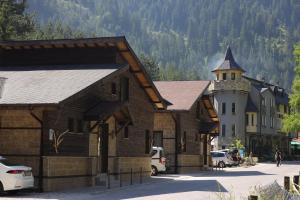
(230,93)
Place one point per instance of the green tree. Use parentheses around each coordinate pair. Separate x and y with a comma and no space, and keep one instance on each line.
(151,66)
(237,144)
(14,22)
(291,122)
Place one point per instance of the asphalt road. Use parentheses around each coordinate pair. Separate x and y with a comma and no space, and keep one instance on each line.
(237,182)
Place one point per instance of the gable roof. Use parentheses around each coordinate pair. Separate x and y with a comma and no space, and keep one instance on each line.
(44,86)
(118,43)
(182,94)
(229,62)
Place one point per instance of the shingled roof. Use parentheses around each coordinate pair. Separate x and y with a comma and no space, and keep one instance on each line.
(44,86)
(229,62)
(182,94)
(23,53)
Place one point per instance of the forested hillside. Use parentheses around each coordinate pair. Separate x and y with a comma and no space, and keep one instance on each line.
(188,37)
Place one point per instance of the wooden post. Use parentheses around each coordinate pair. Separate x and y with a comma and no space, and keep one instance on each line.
(120,177)
(108,180)
(141,175)
(252,197)
(287,183)
(131,176)
(296,181)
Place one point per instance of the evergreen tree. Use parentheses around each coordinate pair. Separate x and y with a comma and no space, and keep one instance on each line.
(151,66)
(14,22)
(291,122)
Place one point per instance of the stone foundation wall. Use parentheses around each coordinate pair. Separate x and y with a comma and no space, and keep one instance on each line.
(63,172)
(126,164)
(190,163)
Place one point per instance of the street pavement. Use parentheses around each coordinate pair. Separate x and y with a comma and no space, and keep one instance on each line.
(237,182)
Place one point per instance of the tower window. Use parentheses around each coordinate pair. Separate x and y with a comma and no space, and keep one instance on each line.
(232,76)
(223,130)
(224,76)
(233,130)
(233,108)
(223,108)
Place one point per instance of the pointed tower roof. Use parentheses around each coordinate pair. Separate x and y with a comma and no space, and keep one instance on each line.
(229,62)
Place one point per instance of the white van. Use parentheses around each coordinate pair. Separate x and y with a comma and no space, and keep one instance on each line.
(158,161)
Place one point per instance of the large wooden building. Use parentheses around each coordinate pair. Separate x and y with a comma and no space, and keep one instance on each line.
(94,94)
(188,125)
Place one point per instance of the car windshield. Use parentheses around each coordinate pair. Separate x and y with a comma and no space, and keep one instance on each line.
(153,152)
(217,154)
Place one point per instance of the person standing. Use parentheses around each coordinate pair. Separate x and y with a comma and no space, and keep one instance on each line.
(278,157)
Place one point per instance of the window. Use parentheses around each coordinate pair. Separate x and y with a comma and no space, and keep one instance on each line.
(247,119)
(71,124)
(252,119)
(113,88)
(224,76)
(263,101)
(232,76)
(147,142)
(158,139)
(233,130)
(223,130)
(183,142)
(285,107)
(223,147)
(79,126)
(196,137)
(233,108)
(124,89)
(263,120)
(126,132)
(217,76)
(272,122)
(223,108)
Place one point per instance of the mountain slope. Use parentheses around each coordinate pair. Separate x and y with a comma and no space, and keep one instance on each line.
(188,38)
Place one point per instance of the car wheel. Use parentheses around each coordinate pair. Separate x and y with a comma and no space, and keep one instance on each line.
(154,171)
(221,164)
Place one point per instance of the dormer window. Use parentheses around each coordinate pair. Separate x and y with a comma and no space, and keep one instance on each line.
(232,76)
(224,76)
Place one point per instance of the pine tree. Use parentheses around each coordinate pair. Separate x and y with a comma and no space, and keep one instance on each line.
(291,122)
(151,66)
(14,23)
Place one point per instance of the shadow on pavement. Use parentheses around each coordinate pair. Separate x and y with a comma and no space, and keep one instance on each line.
(164,188)
(231,173)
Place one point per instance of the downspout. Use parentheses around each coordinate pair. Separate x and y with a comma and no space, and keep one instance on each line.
(41,166)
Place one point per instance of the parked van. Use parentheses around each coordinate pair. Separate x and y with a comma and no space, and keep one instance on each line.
(158,161)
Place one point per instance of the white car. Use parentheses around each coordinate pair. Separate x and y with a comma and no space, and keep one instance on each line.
(14,177)
(221,159)
(158,161)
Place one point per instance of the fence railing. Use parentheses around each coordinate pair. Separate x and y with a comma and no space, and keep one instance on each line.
(133,176)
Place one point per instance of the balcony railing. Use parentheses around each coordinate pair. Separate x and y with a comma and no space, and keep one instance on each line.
(241,85)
